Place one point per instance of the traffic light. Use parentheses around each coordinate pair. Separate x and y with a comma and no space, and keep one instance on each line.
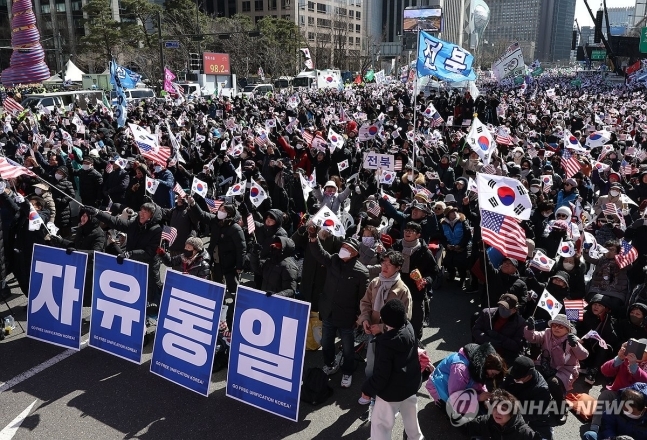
(597,36)
(195,61)
(574,40)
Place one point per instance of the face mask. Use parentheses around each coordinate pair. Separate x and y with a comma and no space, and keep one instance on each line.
(58,176)
(222,215)
(85,167)
(614,193)
(546,214)
(518,381)
(569,266)
(158,169)
(368,241)
(534,189)
(631,415)
(504,313)
(187,254)
(635,320)
(344,253)
(517,154)
(38,191)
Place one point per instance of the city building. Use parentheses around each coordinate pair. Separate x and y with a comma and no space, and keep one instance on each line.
(640,14)
(545,25)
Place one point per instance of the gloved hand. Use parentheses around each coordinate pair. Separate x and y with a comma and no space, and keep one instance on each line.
(91,209)
(19,199)
(572,339)
(160,251)
(530,323)
(123,256)
(69,250)
(587,246)
(268,293)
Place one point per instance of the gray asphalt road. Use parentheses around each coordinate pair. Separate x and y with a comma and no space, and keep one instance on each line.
(93,395)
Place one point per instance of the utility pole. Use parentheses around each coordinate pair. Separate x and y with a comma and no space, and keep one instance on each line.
(161,43)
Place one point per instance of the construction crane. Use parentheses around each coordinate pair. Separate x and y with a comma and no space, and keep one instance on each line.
(610,54)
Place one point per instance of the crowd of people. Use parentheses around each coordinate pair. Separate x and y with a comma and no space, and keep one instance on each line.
(97,188)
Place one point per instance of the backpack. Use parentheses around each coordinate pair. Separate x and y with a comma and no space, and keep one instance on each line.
(315,388)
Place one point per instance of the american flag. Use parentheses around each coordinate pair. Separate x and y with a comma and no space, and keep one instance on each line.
(488,169)
(609,209)
(178,189)
(625,167)
(10,169)
(109,168)
(373,208)
(398,165)
(504,234)
(569,163)
(436,120)
(11,105)
(307,136)
(213,205)
(169,234)
(261,140)
(160,157)
(251,226)
(574,309)
(627,255)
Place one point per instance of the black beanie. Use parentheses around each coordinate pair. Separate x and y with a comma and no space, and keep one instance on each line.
(393,313)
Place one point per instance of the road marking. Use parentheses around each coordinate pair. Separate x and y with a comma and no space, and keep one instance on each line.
(37,369)
(10,430)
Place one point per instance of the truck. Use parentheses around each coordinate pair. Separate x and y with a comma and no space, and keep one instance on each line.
(320,79)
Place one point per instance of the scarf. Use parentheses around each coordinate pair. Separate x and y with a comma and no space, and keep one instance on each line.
(383,290)
(408,248)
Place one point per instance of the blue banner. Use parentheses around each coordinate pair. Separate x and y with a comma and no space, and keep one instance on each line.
(187,329)
(443,60)
(266,353)
(118,319)
(120,112)
(127,78)
(56,296)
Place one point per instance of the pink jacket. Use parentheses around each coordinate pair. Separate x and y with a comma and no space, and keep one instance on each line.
(623,375)
(459,377)
(565,361)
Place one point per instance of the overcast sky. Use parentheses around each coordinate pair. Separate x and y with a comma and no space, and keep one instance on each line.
(582,15)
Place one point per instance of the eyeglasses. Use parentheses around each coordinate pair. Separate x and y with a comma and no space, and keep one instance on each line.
(410,231)
(561,216)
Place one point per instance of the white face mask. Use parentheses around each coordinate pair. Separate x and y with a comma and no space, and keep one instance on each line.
(158,169)
(58,176)
(222,215)
(38,191)
(631,415)
(534,189)
(569,266)
(368,241)
(614,193)
(85,166)
(344,253)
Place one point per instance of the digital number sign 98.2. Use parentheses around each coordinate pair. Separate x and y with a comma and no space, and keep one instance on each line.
(216,63)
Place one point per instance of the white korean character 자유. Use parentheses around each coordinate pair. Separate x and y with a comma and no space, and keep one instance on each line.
(273,369)
(456,63)
(430,53)
(45,296)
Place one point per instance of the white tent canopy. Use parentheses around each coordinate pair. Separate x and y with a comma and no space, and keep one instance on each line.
(72,73)
(53,80)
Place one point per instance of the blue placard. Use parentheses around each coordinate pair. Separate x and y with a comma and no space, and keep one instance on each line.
(446,61)
(56,296)
(266,353)
(187,327)
(118,324)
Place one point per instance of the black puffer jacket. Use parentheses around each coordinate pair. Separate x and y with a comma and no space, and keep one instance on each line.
(90,186)
(180,219)
(227,235)
(115,185)
(346,284)
(264,238)
(396,372)
(280,270)
(535,390)
(89,238)
(485,428)
(62,203)
(508,340)
(198,267)
(423,260)
(628,330)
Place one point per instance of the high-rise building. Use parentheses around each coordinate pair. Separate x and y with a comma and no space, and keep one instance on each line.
(640,14)
(545,25)
(325,24)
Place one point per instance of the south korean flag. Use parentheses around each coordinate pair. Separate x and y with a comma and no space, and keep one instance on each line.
(503,195)
(327,220)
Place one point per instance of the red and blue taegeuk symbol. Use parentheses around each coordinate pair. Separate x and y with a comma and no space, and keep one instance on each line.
(543,260)
(254,192)
(484,143)
(573,140)
(236,188)
(566,248)
(388,177)
(595,136)
(329,222)
(372,130)
(199,187)
(33,215)
(329,79)
(333,139)
(550,304)
(506,195)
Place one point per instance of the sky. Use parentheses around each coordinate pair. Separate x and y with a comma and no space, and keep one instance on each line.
(582,15)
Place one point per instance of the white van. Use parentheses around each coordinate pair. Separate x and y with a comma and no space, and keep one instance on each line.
(53,100)
(133,95)
(256,90)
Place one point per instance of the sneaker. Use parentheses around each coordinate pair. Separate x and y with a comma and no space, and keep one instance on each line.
(330,370)
(591,375)
(346,380)
(363,401)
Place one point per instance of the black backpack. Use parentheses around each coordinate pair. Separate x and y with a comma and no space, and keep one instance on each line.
(315,388)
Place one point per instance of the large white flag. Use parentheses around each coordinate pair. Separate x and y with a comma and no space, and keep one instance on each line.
(510,63)
(598,138)
(503,195)
(480,139)
(550,304)
(327,220)
(257,194)
(336,140)
(144,139)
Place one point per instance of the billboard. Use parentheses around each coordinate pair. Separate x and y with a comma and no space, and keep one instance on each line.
(422,18)
(216,63)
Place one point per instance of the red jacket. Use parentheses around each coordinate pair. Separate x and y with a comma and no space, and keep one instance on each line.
(623,376)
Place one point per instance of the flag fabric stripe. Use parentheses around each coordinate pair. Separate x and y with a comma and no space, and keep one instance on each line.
(251,226)
(574,309)
(609,209)
(11,105)
(628,254)
(178,189)
(504,234)
(10,169)
(569,163)
(169,234)
(161,157)
(213,205)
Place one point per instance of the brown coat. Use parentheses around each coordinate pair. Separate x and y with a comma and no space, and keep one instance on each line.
(399,291)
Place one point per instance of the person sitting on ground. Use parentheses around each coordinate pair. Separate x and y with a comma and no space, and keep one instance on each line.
(501,326)
(630,423)
(608,278)
(633,326)
(625,370)
(505,421)
(560,358)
